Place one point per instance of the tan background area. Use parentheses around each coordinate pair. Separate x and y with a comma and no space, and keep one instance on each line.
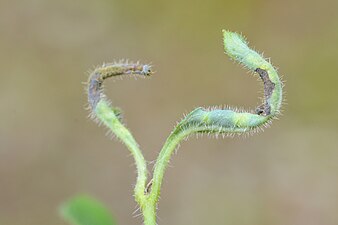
(50,150)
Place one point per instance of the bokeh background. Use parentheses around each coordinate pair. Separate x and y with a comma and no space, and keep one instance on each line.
(50,150)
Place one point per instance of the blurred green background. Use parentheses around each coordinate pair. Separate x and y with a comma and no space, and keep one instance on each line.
(50,150)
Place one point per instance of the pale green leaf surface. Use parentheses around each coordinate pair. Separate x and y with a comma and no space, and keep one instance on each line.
(85,210)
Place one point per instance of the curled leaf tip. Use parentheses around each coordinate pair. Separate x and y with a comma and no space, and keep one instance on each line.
(107,70)
(228,120)
(236,47)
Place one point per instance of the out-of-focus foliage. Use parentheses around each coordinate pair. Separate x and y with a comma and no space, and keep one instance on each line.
(84,210)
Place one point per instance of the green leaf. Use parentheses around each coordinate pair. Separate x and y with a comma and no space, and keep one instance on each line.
(85,210)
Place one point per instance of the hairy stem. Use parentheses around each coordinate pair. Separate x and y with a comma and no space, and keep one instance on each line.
(214,121)
(225,121)
(110,117)
(106,115)
(149,213)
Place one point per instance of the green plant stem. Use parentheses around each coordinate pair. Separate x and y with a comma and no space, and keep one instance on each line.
(149,213)
(213,121)
(162,161)
(105,114)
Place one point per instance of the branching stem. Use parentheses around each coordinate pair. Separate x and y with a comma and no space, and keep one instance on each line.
(201,120)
